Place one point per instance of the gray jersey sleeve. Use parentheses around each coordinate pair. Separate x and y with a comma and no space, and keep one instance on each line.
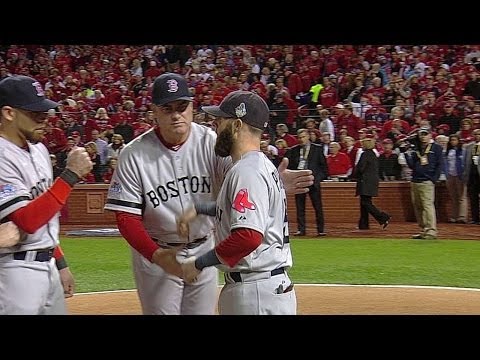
(125,191)
(248,193)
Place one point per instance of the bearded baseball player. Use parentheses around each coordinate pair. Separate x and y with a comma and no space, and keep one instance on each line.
(32,281)
(252,242)
(158,175)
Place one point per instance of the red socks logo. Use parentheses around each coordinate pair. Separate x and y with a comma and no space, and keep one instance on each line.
(241,202)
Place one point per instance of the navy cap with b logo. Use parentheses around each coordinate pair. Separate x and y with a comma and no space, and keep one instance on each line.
(244,105)
(170,87)
(23,92)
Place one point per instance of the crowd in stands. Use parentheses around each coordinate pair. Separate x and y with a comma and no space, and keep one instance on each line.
(339,93)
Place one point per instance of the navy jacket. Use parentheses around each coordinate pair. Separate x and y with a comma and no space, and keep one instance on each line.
(432,170)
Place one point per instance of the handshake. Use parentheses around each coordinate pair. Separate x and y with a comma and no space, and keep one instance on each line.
(167,260)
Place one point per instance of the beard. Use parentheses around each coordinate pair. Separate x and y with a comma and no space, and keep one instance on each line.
(224,143)
(35,136)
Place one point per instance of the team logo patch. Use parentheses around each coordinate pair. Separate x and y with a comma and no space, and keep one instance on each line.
(7,190)
(241,202)
(172,85)
(115,188)
(241,110)
(38,88)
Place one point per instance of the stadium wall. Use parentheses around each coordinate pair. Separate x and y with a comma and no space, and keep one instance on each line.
(85,205)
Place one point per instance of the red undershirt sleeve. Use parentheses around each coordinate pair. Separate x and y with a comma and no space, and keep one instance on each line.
(39,211)
(132,229)
(58,252)
(239,244)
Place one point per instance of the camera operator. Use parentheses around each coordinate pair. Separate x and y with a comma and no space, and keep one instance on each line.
(426,161)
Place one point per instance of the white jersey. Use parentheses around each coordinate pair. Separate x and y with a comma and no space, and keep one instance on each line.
(25,175)
(159,184)
(252,196)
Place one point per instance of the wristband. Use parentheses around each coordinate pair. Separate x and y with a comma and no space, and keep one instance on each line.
(61,263)
(206,208)
(70,177)
(208,259)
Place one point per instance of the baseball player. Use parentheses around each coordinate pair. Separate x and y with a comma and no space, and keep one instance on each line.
(30,282)
(158,175)
(252,242)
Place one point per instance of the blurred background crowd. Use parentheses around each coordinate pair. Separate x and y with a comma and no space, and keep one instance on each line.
(339,93)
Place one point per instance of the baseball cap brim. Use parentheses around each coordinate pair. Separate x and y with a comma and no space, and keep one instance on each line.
(167,100)
(43,105)
(215,111)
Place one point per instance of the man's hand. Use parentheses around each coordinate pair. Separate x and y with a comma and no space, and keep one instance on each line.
(190,272)
(295,181)
(79,161)
(184,220)
(68,282)
(167,260)
(9,234)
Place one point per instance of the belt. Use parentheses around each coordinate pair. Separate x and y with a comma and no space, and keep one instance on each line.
(237,277)
(190,245)
(42,255)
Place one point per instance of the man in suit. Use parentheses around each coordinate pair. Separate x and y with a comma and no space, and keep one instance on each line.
(366,173)
(307,155)
(471,175)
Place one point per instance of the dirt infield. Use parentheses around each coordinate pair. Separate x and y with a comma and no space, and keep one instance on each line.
(337,300)
(396,230)
(321,300)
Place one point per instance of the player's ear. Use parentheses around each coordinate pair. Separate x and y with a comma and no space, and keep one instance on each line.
(7,112)
(237,124)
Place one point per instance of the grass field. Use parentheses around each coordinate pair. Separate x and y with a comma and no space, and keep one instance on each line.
(100,264)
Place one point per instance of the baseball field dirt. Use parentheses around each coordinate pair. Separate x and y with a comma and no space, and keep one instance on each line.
(339,300)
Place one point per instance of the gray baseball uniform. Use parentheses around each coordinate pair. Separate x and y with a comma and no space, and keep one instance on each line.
(28,283)
(252,196)
(159,184)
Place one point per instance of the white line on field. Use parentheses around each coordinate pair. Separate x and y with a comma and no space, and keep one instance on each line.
(323,285)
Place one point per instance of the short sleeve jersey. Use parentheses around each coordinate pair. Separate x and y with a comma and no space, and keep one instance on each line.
(252,196)
(25,175)
(159,183)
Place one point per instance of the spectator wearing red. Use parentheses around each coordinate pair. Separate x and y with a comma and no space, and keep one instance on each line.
(77,138)
(293,81)
(443,129)
(55,139)
(282,133)
(140,127)
(349,121)
(351,150)
(328,95)
(89,124)
(153,71)
(338,163)
(465,129)
(143,100)
(396,113)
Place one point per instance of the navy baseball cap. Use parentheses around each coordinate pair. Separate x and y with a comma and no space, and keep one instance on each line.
(23,92)
(170,87)
(244,105)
